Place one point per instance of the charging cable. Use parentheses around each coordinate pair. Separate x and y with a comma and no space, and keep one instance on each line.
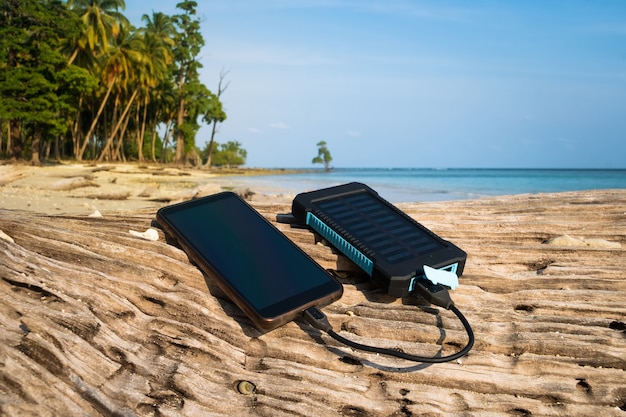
(434,293)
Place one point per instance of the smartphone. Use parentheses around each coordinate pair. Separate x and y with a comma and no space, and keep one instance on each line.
(264,273)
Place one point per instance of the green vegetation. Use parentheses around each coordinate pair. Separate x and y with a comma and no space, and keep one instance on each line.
(228,155)
(78,81)
(323,156)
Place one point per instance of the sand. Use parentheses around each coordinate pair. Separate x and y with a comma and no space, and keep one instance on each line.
(103,188)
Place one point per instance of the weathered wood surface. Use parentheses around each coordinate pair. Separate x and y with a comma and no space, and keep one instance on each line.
(95,321)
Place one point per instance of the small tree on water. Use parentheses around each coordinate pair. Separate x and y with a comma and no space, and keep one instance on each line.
(323,156)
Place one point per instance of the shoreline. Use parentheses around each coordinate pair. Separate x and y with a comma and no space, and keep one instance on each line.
(87,188)
(217,171)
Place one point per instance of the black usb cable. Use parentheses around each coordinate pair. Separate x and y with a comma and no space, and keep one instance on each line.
(434,293)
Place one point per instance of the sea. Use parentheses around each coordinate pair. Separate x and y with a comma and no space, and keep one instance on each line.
(413,185)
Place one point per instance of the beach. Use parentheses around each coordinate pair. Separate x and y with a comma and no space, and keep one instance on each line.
(74,188)
(104,188)
(97,320)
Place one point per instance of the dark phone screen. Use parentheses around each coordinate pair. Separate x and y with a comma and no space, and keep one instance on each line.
(272,274)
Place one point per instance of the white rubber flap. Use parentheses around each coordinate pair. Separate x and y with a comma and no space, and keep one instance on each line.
(439,276)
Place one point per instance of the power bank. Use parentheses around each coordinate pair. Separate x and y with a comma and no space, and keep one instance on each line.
(390,246)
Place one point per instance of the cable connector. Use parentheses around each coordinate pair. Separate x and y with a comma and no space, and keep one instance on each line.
(435,294)
(316,318)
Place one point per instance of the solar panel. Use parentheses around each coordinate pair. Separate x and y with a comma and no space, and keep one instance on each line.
(379,227)
(381,239)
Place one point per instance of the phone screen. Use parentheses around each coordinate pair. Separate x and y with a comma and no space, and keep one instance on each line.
(266,274)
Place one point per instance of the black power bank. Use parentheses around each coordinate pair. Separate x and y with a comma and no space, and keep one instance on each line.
(382,240)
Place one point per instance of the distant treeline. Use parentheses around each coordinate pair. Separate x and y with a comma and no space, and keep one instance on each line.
(78,81)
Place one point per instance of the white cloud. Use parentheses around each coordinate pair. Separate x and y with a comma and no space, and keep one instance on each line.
(279,125)
(353,133)
(254,130)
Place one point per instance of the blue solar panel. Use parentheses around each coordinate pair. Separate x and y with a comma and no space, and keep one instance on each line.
(378,227)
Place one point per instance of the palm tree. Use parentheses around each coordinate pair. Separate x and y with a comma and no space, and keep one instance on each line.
(160,28)
(109,75)
(126,61)
(157,46)
(102,21)
(166,113)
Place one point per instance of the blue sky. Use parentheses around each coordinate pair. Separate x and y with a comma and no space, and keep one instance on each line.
(441,84)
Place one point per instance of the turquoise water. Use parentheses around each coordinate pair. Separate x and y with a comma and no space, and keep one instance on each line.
(406,185)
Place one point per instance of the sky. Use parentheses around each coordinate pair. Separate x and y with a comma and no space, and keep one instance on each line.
(417,84)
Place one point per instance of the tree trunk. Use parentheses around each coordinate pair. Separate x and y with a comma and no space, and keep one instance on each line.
(116,116)
(79,156)
(210,147)
(1,136)
(169,130)
(73,57)
(180,139)
(143,127)
(46,150)
(34,157)
(15,145)
(117,126)
(119,151)
(221,87)
(153,145)
(76,127)
(57,150)
(8,138)
(179,157)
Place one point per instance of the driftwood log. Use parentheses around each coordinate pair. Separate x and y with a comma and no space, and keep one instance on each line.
(96,321)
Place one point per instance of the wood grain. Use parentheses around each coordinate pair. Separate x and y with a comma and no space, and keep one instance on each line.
(95,321)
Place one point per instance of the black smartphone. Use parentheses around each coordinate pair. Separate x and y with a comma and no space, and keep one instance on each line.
(264,273)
